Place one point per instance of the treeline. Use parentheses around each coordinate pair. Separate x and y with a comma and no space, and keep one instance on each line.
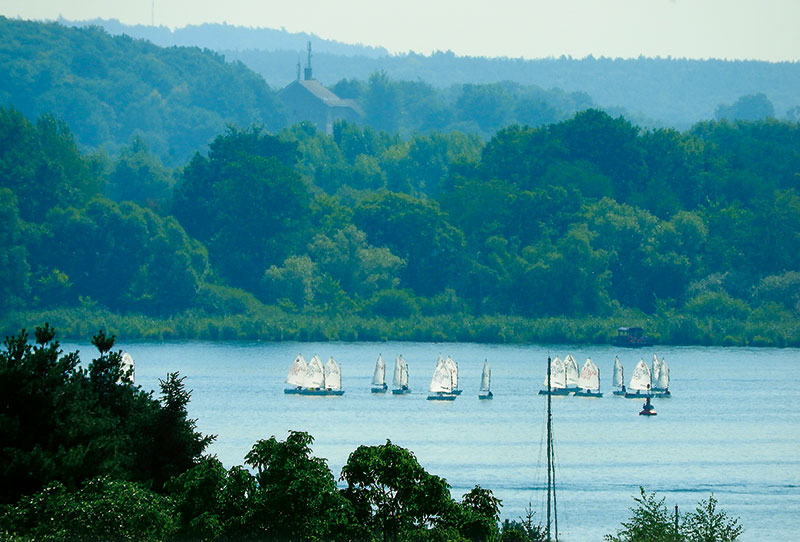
(300,235)
(87,455)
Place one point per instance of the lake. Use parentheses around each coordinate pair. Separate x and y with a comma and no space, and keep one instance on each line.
(730,427)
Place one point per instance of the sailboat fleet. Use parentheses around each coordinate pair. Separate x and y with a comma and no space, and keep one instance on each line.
(646,381)
(563,378)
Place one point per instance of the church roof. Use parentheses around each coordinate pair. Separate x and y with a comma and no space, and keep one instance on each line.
(330,99)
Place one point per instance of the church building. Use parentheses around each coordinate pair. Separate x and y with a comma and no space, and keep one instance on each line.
(307,100)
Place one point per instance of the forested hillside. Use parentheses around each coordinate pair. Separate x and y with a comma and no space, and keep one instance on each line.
(674,92)
(363,234)
(110,88)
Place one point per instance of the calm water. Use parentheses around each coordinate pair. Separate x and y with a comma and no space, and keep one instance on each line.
(731,427)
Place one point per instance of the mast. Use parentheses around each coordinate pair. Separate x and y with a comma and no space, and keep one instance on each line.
(551,473)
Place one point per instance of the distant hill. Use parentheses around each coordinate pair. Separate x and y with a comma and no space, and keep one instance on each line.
(668,91)
(108,88)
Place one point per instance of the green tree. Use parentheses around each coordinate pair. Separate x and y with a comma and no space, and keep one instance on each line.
(706,524)
(382,103)
(391,493)
(297,497)
(650,522)
(139,176)
(246,203)
(103,509)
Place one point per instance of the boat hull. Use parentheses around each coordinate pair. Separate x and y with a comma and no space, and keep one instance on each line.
(558,392)
(661,393)
(379,389)
(618,393)
(442,396)
(292,391)
(588,393)
(401,391)
(485,396)
(317,392)
(637,394)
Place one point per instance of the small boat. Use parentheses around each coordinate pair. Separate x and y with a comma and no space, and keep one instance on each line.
(321,380)
(128,367)
(660,378)
(640,383)
(400,378)
(485,391)
(589,380)
(297,375)
(632,337)
(379,377)
(619,377)
(647,408)
(558,379)
(572,373)
(441,388)
(452,366)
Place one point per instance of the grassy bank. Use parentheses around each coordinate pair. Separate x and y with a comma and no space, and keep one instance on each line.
(273,324)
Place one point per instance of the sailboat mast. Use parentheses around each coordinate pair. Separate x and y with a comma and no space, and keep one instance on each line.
(551,472)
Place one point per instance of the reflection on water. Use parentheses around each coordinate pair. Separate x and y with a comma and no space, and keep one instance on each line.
(730,427)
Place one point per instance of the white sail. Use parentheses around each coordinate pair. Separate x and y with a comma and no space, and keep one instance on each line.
(333,375)
(662,382)
(442,381)
(400,377)
(297,372)
(589,378)
(486,377)
(558,376)
(619,378)
(656,368)
(379,377)
(571,368)
(452,366)
(640,381)
(315,376)
(127,365)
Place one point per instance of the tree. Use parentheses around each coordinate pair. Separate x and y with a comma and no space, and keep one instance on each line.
(392,493)
(650,522)
(749,107)
(297,497)
(706,524)
(481,513)
(103,509)
(246,203)
(382,103)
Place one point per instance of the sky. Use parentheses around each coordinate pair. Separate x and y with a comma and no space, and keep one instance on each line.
(724,29)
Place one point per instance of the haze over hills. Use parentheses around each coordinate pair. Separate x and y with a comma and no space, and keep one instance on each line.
(659,91)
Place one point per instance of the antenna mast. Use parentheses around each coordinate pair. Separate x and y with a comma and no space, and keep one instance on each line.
(551,471)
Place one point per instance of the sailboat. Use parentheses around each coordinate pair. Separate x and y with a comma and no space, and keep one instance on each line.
(441,388)
(486,382)
(571,368)
(322,380)
(452,366)
(379,376)
(400,378)
(556,380)
(619,377)
(640,383)
(661,380)
(589,380)
(297,375)
(127,365)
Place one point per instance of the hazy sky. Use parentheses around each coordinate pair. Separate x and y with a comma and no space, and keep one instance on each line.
(732,29)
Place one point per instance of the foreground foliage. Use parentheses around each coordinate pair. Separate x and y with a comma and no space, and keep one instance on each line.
(652,522)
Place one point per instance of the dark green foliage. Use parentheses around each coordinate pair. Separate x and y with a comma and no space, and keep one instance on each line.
(706,524)
(297,497)
(59,422)
(103,509)
(393,495)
